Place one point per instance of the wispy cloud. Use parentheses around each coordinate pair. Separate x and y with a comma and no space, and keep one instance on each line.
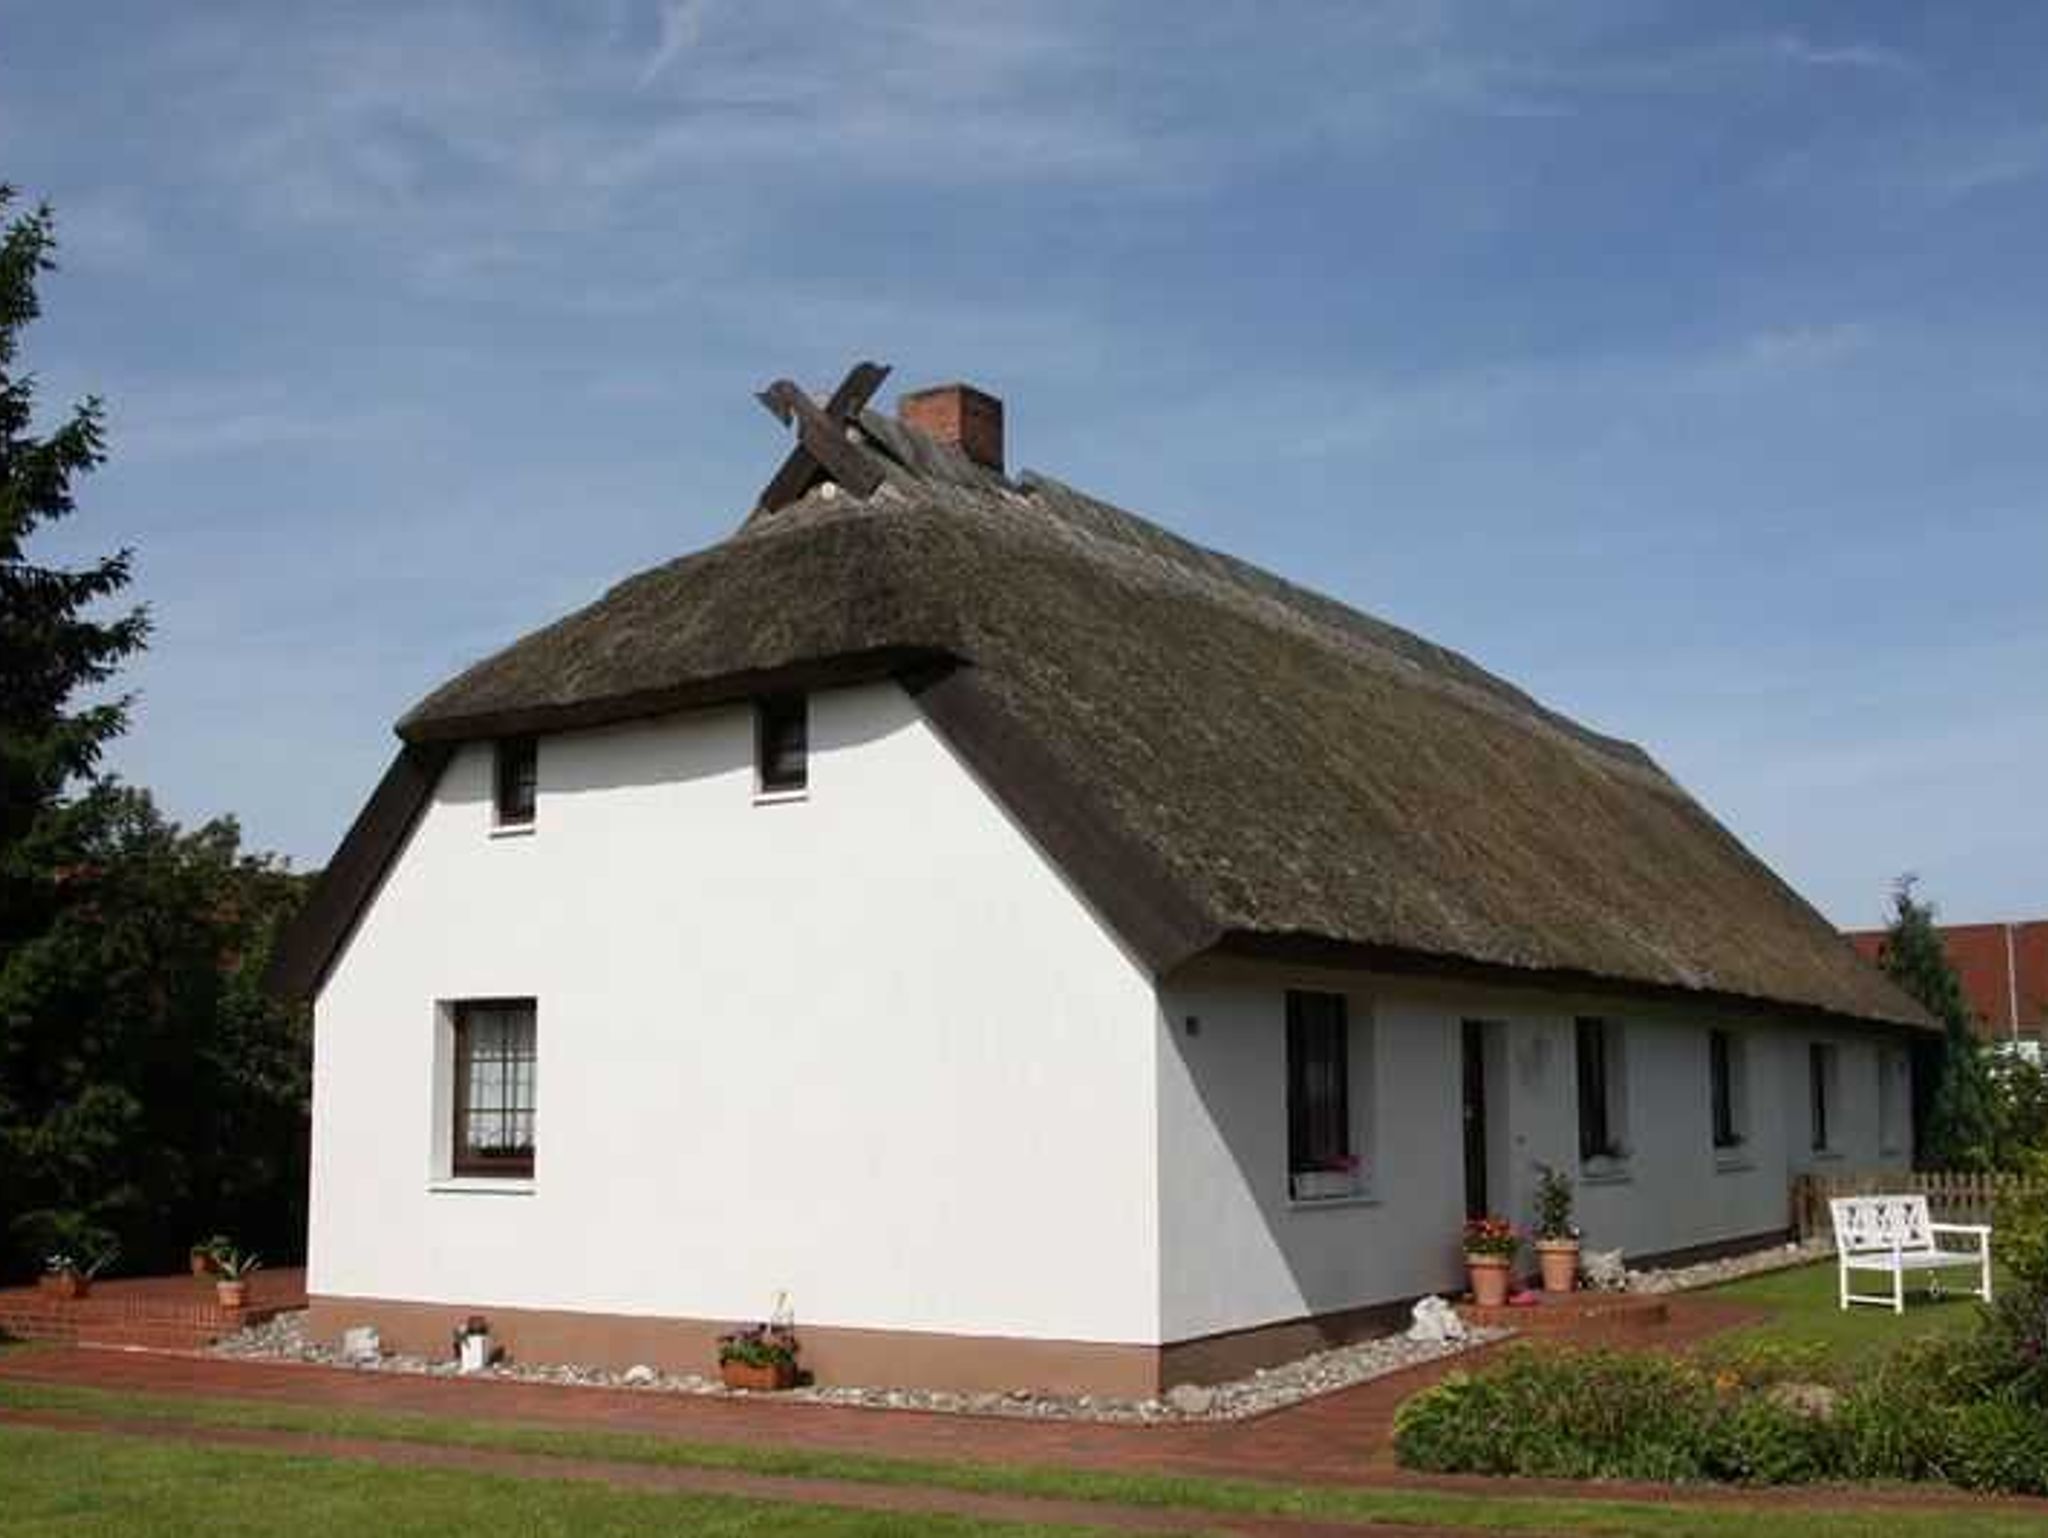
(678,23)
(1797,49)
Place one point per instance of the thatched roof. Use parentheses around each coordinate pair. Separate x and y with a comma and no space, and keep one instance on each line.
(1217,757)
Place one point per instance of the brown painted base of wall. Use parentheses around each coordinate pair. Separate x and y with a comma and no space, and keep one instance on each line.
(903,1358)
(1238,1353)
(895,1358)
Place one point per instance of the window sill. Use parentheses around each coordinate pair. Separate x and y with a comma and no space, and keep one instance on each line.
(1732,1161)
(1606,1172)
(1827,1155)
(512,830)
(480,1185)
(1322,1203)
(779,797)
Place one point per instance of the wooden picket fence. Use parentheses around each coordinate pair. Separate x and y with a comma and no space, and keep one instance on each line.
(1951,1197)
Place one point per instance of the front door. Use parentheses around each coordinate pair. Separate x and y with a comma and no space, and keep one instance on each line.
(1475,1118)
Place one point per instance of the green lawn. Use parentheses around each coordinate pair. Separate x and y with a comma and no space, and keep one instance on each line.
(1807,1316)
(64,1483)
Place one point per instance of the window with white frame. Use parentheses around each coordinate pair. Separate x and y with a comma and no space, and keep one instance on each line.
(492,1090)
(1602,1073)
(1329,1091)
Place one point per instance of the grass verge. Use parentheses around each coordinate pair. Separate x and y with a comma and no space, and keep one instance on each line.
(1480,1510)
(59,1484)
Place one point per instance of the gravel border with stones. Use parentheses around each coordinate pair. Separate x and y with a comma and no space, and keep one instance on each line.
(1711,1273)
(283,1339)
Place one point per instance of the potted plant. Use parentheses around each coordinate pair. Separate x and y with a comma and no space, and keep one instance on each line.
(234,1268)
(202,1253)
(761,1356)
(1556,1236)
(68,1276)
(1490,1245)
(473,1345)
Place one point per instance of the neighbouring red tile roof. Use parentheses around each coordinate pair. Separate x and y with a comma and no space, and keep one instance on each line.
(2004,970)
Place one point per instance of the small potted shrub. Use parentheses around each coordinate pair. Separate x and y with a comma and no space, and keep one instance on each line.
(1556,1236)
(1490,1245)
(69,1273)
(201,1254)
(761,1356)
(234,1268)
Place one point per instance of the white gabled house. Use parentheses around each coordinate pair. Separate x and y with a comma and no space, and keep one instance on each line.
(1055,954)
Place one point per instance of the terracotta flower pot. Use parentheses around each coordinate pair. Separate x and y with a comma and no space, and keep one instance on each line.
(765,1377)
(1559,1260)
(202,1262)
(231,1294)
(65,1284)
(1489,1275)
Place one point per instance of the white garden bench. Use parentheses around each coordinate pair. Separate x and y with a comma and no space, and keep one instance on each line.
(1895,1234)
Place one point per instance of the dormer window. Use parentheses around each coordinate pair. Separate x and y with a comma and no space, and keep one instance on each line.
(515,779)
(782,745)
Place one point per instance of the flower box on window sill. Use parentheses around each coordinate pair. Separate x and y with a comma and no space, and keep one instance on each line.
(1325,1185)
(1605,1169)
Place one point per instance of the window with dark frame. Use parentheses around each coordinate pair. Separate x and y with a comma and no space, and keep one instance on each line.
(782,743)
(494,1088)
(1721,1070)
(516,780)
(1820,1070)
(1318,1086)
(1596,1130)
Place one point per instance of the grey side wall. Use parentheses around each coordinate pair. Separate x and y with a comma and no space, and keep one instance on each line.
(1237,1252)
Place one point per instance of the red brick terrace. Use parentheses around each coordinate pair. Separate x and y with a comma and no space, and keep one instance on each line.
(168,1313)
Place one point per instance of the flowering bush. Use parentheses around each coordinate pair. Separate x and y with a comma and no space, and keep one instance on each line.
(1491,1236)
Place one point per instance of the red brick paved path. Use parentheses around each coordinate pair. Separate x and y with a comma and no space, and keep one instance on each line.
(1341,1438)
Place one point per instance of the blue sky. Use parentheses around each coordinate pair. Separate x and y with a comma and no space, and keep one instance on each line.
(1687,365)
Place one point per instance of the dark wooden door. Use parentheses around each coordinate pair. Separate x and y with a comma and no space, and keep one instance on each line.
(1475,1118)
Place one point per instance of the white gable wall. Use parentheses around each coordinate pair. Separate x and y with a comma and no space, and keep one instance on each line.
(867,1047)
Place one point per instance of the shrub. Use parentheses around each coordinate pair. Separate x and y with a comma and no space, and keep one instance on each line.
(1754,1439)
(1998,1445)
(1763,1362)
(1939,1409)
(1554,1205)
(1564,1415)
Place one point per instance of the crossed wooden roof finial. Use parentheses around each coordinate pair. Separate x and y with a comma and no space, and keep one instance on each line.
(821,445)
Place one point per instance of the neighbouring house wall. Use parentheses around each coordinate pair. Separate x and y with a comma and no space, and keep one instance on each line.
(867,1047)
(1237,1253)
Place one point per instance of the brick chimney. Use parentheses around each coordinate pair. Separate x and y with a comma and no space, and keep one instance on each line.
(970,420)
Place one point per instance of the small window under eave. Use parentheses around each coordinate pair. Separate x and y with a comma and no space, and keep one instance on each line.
(515,782)
(782,745)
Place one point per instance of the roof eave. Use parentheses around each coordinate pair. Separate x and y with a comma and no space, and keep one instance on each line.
(1318,950)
